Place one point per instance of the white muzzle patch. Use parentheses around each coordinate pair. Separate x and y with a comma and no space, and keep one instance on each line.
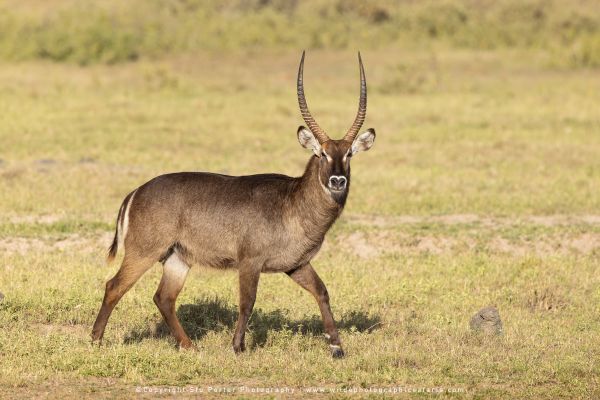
(337,182)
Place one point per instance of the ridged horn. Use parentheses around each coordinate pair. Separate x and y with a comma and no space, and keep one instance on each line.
(310,121)
(362,105)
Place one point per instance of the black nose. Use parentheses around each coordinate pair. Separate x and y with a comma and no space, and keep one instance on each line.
(337,182)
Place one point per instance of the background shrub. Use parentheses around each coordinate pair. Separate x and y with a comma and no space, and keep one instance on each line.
(111,31)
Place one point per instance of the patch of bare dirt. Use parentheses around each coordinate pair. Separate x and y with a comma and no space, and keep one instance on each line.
(560,220)
(585,244)
(435,245)
(383,221)
(390,221)
(487,235)
(75,242)
(452,219)
(35,219)
(358,244)
(21,245)
(374,244)
(543,246)
(71,330)
(12,174)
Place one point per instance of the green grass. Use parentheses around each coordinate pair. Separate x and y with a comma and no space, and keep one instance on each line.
(482,188)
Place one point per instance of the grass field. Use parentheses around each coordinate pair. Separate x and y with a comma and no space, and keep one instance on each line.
(482,188)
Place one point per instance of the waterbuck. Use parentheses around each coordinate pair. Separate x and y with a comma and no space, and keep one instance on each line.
(255,223)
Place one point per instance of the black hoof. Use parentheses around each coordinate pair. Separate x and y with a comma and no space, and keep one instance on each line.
(239,349)
(337,352)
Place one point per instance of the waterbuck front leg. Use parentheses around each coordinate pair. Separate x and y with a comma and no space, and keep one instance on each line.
(248,276)
(306,277)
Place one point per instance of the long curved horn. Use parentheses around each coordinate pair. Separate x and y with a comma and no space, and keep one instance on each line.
(362,105)
(310,121)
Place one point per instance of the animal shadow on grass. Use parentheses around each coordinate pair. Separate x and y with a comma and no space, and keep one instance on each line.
(215,314)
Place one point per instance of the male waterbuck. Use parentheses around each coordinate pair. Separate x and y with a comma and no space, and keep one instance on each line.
(255,223)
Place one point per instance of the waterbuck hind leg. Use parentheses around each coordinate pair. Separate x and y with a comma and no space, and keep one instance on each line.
(175,271)
(306,277)
(248,277)
(132,268)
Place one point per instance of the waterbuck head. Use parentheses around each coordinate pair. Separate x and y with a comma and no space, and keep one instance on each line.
(335,155)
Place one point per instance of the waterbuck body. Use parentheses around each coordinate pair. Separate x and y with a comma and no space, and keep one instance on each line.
(255,223)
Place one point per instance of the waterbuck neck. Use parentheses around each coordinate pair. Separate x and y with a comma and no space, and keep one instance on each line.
(314,206)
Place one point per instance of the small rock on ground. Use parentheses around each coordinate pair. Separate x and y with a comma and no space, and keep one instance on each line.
(487,320)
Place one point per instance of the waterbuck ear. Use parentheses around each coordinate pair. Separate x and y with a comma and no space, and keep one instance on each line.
(364,141)
(308,140)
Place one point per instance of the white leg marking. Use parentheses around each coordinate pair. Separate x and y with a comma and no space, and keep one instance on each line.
(126,217)
(175,268)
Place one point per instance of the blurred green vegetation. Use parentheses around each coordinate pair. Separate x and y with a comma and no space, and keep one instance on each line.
(112,31)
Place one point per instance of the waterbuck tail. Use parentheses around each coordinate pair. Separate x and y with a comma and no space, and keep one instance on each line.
(121,228)
(114,246)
